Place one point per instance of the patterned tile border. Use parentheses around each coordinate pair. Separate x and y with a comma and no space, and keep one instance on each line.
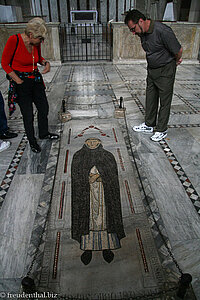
(15,118)
(186,80)
(152,211)
(183,125)
(71,74)
(3,80)
(120,159)
(183,113)
(56,255)
(115,136)
(62,199)
(7,180)
(185,181)
(142,109)
(69,136)
(66,161)
(93,128)
(53,79)
(129,196)
(35,250)
(19,117)
(120,74)
(194,110)
(146,268)
(139,104)
(192,86)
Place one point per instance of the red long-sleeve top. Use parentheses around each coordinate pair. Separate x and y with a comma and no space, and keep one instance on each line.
(23,60)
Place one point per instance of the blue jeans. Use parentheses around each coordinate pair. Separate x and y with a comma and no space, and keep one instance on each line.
(3,119)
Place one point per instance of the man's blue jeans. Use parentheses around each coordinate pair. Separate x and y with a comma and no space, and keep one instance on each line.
(3,119)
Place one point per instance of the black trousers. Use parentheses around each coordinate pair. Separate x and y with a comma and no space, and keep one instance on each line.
(30,92)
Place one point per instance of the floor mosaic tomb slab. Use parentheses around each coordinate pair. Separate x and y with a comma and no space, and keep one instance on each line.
(136,268)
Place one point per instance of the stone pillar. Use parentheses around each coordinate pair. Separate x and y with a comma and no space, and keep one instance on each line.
(194,15)
(54,41)
(73,4)
(112,14)
(154,10)
(121,11)
(93,5)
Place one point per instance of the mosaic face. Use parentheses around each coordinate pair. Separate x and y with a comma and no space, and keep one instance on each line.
(93,143)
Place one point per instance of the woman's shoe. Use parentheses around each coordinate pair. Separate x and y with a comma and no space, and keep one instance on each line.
(8,135)
(35,148)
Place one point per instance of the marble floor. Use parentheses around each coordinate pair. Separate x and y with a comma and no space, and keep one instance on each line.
(159,187)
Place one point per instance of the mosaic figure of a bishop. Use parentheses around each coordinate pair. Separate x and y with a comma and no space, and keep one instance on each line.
(96,206)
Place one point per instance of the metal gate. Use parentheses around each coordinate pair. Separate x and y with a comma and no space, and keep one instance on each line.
(85,42)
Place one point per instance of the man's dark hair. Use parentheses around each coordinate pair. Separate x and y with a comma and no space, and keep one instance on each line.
(134,15)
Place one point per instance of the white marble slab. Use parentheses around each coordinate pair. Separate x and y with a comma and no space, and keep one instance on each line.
(187,152)
(16,221)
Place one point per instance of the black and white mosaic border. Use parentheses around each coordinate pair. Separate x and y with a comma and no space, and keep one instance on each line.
(184,179)
(7,180)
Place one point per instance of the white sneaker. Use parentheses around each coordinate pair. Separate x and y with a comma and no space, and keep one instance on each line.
(158,136)
(4,145)
(143,128)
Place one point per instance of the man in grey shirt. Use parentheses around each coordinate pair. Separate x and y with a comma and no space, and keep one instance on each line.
(163,54)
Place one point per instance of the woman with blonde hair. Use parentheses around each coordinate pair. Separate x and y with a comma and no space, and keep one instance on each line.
(20,57)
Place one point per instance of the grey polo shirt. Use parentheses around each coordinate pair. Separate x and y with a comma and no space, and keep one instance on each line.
(160,44)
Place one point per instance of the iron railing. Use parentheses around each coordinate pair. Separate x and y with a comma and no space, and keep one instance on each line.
(85,42)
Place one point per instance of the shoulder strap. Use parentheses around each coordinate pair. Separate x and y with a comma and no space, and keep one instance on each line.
(15,50)
(39,52)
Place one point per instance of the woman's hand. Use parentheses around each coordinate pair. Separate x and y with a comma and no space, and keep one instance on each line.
(15,77)
(47,67)
(20,81)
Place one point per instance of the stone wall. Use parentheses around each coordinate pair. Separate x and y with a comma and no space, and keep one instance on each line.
(51,46)
(128,47)
(125,45)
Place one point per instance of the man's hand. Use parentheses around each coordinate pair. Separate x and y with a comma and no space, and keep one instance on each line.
(179,61)
(178,57)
